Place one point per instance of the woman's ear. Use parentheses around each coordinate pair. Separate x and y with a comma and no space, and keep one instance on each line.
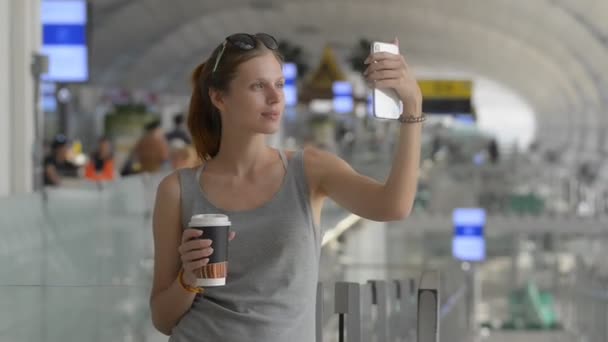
(217,99)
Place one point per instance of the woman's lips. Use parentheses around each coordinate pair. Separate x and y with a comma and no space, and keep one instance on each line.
(271,115)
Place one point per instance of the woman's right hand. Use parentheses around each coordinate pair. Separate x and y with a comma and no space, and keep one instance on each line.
(194,253)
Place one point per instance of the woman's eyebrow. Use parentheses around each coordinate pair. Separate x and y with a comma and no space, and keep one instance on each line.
(280,78)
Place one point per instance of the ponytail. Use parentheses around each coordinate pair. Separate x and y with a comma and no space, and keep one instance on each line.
(204,121)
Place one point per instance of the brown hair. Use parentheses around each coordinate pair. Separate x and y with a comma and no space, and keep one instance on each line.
(204,120)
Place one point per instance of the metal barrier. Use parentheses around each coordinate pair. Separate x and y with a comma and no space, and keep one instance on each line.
(381,310)
(428,308)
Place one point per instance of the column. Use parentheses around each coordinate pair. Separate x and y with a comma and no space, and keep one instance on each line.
(21,20)
(5,122)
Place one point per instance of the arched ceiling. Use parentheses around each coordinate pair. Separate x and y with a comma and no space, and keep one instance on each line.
(553,53)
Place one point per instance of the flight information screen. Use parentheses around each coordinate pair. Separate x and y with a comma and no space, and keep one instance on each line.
(469,242)
(64,40)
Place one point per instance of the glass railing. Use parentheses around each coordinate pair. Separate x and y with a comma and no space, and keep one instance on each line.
(77,263)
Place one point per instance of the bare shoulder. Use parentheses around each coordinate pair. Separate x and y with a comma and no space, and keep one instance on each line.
(169,187)
(167,206)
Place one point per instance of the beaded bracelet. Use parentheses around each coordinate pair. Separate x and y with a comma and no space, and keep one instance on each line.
(408,119)
(180,279)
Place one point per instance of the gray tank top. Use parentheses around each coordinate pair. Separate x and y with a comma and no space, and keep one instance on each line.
(273,267)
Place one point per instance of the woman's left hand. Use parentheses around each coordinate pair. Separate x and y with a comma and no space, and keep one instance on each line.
(387,70)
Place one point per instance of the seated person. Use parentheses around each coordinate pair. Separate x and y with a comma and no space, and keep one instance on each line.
(58,165)
(101,165)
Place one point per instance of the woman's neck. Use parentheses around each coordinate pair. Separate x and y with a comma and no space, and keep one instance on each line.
(240,156)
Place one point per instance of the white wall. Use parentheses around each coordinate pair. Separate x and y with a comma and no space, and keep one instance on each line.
(20,37)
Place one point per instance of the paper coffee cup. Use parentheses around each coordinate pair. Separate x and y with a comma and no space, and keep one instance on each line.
(216,228)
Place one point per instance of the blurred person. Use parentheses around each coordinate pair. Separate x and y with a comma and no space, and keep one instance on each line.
(345,137)
(100,166)
(179,131)
(435,146)
(272,197)
(151,152)
(182,155)
(493,152)
(58,164)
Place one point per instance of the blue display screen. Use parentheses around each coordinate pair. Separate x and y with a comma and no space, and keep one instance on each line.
(465,119)
(290,72)
(469,243)
(49,100)
(291,95)
(64,40)
(342,88)
(343,97)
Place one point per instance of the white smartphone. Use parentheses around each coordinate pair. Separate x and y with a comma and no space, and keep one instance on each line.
(385,102)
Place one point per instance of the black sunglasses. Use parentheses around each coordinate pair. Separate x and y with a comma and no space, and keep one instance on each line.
(246,42)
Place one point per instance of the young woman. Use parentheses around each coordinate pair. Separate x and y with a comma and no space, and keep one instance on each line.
(272,197)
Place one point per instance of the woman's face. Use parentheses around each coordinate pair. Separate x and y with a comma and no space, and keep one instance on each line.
(255,99)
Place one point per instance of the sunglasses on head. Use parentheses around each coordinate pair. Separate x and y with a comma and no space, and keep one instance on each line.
(246,42)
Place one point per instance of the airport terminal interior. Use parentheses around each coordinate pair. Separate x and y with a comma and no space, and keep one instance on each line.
(506,237)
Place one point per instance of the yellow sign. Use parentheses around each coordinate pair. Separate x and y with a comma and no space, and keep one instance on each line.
(446,89)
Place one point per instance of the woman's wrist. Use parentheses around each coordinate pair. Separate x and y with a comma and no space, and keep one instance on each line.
(188,278)
(187,282)
(412,104)
(413,108)
(412,112)
(412,119)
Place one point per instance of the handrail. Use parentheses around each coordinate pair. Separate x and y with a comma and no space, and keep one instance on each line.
(340,228)
(449,304)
